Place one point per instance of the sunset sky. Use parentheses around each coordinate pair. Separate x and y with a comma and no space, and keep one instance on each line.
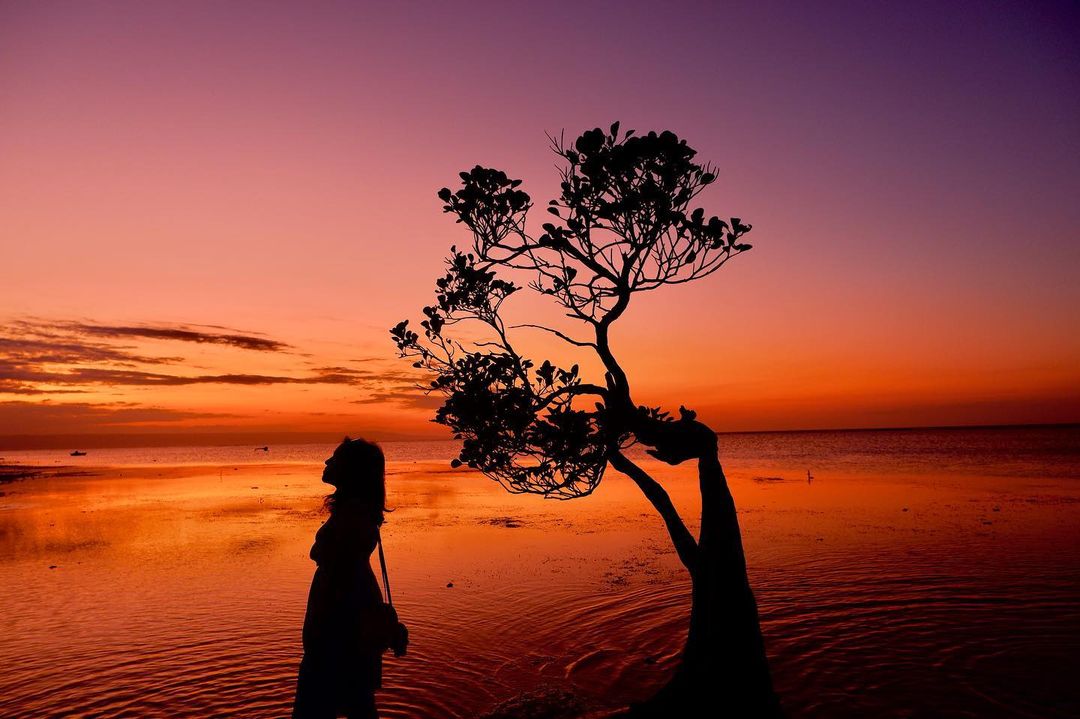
(211,213)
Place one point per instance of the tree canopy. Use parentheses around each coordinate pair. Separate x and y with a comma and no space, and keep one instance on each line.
(623,223)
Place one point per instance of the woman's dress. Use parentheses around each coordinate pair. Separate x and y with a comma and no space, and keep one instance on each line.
(345,630)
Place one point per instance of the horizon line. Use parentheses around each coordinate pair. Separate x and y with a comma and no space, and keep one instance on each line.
(101,440)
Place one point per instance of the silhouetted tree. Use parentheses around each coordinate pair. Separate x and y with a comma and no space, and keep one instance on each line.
(622,225)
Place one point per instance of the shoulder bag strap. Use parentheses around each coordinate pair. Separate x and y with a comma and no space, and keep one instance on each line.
(385,576)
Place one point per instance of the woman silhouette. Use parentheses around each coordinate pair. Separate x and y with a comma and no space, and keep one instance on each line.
(347,626)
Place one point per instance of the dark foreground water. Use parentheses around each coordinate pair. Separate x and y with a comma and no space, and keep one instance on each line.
(921,574)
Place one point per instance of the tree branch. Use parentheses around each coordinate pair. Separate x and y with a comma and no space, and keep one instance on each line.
(685,545)
(573,391)
(572,341)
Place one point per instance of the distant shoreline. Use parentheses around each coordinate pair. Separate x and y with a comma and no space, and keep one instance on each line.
(25,442)
(18,472)
(915,428)
(12,472)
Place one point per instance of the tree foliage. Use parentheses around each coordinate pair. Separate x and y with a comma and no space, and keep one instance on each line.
(622,224)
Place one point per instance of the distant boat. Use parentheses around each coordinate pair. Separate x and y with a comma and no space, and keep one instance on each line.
(77,453)
(262,449)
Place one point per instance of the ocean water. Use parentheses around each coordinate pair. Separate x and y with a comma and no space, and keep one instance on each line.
(993,451)
(922,573)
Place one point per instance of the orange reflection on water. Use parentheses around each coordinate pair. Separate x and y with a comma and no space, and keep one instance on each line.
(180,591)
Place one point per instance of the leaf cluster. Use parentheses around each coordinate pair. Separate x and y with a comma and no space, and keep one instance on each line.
(623,223)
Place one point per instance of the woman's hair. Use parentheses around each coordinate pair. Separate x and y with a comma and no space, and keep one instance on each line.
(359,478)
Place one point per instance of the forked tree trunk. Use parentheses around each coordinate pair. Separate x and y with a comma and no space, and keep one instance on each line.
(723,671)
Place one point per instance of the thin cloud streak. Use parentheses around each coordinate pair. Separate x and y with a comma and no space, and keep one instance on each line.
(182,333)
(79,416)
(113,377)
(71,351)
(415,399)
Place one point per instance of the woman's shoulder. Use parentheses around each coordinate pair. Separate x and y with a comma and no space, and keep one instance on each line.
(349,530)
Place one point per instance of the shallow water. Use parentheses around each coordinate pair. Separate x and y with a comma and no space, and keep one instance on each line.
(887,588)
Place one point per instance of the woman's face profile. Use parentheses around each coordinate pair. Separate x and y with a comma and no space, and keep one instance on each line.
(333,469)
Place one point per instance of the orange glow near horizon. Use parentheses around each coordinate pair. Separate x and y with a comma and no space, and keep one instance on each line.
(271,173)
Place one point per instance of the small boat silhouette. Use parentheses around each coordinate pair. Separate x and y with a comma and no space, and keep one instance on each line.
(262,449)
(77,453)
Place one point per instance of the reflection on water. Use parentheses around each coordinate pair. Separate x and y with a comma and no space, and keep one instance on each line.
(896,592)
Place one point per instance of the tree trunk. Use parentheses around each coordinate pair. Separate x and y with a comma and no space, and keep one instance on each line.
(723,671)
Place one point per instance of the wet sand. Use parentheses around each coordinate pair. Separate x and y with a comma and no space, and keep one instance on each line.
(180,592)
